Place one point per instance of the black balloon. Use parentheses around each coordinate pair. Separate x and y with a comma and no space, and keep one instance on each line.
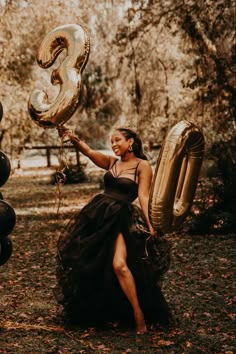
(7,219)
(5,250)
(1,111)
(5,168)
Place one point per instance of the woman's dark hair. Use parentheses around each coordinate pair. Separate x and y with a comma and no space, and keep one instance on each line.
(137,144)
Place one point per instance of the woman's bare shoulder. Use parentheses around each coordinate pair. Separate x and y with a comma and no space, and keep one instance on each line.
(144,167)
(144,164)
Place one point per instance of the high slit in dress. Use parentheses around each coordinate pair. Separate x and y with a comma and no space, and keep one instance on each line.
(88,288)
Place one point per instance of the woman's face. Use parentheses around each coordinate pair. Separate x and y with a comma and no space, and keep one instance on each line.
(119,143)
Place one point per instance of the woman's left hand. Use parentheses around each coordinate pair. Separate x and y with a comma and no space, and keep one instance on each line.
(152,231)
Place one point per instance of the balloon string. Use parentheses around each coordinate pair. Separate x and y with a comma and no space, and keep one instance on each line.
(60,178)
(58,200)
(59,181)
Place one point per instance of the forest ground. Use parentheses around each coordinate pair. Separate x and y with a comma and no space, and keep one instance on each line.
(198,286)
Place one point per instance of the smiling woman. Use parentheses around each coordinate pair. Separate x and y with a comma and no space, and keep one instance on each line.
(131,138)
(102,273)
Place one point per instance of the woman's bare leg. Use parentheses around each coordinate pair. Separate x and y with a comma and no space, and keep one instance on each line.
(127,282)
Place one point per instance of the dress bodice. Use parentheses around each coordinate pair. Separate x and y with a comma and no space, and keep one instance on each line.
(121,188)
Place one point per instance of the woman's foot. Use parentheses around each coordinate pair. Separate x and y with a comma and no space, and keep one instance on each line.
(142,331)
(140,323)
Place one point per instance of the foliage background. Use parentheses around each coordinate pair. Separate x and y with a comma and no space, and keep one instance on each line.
(152,63)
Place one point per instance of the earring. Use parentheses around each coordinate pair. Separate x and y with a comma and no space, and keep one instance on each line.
(130,149)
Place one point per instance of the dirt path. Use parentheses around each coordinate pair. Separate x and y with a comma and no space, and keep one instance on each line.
(199,285)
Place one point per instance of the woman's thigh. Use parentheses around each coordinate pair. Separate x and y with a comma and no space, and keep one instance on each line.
(120,253)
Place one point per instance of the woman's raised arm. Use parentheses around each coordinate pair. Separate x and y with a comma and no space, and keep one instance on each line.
(98,158)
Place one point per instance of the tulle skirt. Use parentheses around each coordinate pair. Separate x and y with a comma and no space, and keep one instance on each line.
(88,288)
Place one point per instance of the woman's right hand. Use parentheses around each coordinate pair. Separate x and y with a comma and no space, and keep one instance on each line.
(63,131)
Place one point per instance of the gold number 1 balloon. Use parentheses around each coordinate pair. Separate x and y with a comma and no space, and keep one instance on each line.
(75,40)
(176,175)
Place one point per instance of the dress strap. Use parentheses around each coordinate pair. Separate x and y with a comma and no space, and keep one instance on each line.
(113,167)
(136,169)
(114,162)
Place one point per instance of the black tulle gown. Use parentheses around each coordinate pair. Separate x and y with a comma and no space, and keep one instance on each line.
(87,285)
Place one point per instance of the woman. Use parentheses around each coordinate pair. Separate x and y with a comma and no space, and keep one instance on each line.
(102,272)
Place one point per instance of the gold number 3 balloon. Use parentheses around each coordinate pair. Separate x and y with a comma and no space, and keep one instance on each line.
(75,40)
(176,175)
